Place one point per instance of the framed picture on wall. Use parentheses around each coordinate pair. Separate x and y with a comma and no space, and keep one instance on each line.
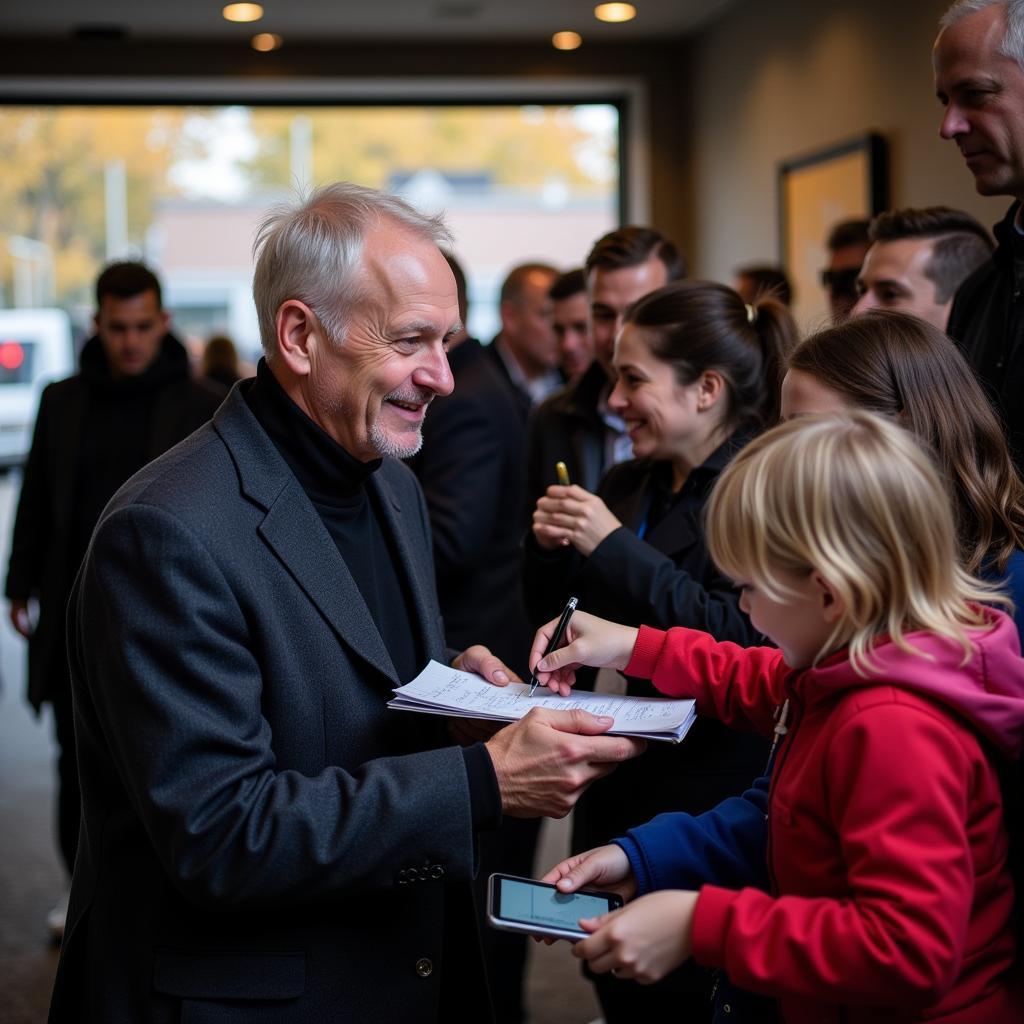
(816,191)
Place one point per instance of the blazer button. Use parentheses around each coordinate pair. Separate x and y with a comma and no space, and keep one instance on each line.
(437,871)
(413,875)
(424,967)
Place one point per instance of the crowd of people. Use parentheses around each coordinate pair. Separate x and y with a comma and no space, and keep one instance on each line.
(820,539)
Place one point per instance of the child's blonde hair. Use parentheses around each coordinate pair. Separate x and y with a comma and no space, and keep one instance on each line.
(855,498)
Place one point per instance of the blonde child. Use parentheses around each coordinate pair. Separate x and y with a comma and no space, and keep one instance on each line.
(892,688)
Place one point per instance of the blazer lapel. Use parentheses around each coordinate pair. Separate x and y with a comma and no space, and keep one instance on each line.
(295,532)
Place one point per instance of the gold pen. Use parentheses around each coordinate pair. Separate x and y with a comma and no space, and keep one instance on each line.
(562,472)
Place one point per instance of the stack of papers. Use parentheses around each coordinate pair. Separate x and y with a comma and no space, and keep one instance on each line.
(443,690)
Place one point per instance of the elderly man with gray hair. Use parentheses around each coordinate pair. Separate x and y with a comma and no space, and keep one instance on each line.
(263,840)
(979,78)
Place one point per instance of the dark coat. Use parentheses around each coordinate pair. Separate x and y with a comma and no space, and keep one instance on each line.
(46,518)
(471,471)
(567,427)
(987,320)
(262,838)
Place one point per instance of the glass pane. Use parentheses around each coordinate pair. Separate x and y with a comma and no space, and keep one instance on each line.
(185,188)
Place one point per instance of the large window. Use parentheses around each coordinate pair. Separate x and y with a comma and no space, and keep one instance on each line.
(185,187)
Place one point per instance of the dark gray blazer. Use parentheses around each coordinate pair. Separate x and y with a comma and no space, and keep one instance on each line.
(262,838)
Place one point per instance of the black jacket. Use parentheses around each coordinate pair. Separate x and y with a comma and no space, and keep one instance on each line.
(263,839)
(987,319)
(471,471)
(49,518)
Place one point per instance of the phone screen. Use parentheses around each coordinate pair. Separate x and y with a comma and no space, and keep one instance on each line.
(544,906)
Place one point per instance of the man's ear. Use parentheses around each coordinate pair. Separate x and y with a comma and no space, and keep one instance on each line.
(829,599)
(297,332)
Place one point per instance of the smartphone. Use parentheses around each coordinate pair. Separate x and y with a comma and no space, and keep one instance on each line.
(538,908)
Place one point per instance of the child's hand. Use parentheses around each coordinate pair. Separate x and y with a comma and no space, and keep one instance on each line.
(644,940)
(588,641)
(572,515)
(606,867)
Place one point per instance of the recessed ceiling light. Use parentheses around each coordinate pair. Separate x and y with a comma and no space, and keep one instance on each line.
(566,40)
(615,12)
(243,12)
(266,41)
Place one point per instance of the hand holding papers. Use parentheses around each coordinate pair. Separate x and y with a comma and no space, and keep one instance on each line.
(442,690)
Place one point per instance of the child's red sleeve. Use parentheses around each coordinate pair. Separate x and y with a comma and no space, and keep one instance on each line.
(741,686)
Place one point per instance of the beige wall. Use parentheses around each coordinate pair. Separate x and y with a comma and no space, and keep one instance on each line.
(773,80)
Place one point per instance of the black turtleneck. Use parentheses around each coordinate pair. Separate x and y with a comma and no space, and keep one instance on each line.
(335,482)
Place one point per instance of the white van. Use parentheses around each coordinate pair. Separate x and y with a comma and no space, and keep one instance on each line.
(35,348)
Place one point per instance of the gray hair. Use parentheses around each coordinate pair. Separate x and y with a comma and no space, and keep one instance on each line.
(311,251)
(1012,45)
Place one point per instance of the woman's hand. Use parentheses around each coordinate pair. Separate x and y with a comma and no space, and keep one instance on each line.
(572,515)
(644,940)
(588,640)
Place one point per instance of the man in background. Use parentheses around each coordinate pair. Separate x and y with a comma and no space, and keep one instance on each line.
(978,60)
(132,399)
(575,425)
(917,260)
(847,244)
(569,315)
(526,350)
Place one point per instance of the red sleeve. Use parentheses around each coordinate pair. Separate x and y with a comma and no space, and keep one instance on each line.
(740,686)
(898,937)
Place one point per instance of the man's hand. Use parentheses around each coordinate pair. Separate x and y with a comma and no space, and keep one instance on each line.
(20,619)
(572,515)
(588,640)
(547,759)
(645,940)
(479,659)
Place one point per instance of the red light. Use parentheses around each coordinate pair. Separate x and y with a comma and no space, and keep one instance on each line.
(12,355)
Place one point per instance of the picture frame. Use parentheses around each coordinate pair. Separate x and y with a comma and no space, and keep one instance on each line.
(815,191)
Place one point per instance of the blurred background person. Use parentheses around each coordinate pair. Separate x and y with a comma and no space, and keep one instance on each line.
(526,350)
(132,399)
(220,361)
(569,310)
(760,280)
(847,244)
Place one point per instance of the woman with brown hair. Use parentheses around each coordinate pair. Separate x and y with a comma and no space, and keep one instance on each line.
(903,368)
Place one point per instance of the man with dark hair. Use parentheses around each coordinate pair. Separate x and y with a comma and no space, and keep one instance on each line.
(917,260)
(569,316)
(525,350)
(132,399)
(756,280)
(263,839)
(847,244)
(575,425)
(978,60)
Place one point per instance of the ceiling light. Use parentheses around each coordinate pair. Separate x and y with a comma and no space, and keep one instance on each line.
(243,12)
(566,40)
(266,41)
(615,12)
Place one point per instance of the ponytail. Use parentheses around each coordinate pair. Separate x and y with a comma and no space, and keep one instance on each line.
(701,325)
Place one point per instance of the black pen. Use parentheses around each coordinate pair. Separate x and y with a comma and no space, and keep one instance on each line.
(556,639)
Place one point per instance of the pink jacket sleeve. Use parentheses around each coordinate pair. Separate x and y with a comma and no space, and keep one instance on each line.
(741,686)
(898,937)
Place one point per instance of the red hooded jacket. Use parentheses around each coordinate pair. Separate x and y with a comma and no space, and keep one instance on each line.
(887,850)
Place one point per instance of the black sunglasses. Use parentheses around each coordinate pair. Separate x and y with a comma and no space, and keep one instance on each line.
(841,282)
